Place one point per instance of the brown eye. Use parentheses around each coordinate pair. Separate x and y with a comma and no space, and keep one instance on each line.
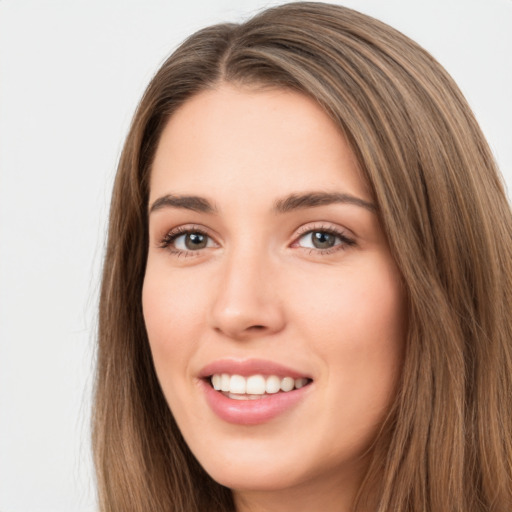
(195,241)
(319,240)
(189,241)
(323,240)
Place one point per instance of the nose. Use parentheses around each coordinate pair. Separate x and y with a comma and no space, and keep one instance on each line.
(247,303)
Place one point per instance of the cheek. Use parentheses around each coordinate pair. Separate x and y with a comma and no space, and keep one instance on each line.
(171,300)
(172,322)
(356,321)
(171,326)
(361,306)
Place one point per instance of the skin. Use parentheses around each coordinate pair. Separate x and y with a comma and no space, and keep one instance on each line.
(260,288)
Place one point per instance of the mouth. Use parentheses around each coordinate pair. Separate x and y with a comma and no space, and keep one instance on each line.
(254,391)
(254,387)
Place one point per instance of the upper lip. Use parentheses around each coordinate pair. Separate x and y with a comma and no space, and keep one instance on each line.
(249,367)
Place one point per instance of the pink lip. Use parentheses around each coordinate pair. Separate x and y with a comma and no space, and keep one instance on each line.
(250,367)
(251,412)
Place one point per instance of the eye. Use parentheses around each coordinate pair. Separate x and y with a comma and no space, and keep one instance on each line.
(318,240)
(182,240)
(191,241)
(323,240)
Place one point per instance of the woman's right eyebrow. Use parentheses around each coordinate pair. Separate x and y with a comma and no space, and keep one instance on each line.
(194,203)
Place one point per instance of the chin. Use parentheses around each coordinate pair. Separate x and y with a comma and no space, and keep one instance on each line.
(257,479)
(278,464)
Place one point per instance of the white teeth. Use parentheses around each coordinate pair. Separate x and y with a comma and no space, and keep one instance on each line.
(234,396)
(300,383)
(254,386)
(273,384)
(216,382)
(224,382)
(287,384)
(237,384)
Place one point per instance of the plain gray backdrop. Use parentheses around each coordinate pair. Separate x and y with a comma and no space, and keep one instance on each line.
(71,74)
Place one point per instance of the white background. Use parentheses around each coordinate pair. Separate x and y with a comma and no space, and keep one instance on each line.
(71,74)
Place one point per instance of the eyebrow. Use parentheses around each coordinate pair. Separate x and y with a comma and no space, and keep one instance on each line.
(313,199)
(284,205)
(194,203)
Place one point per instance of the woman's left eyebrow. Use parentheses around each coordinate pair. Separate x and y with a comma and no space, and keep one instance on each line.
(313,199)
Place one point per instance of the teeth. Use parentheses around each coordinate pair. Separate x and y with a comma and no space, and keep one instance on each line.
(224,382)
(273,384)
(237,384)
(300,383)
(255,385)
(216,382)
(287,384)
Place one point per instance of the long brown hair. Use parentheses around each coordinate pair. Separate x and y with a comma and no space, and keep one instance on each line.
(447,442)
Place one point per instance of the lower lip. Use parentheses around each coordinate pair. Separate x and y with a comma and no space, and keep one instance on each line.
(252,412)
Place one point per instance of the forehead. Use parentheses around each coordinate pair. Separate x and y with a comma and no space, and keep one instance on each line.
(244,141)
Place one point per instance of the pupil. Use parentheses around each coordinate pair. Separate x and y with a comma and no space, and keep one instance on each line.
(323,240)
(195,241)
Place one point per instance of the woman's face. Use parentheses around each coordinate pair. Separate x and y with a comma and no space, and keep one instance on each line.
(268,273)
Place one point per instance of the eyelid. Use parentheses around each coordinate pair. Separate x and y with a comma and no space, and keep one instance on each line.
(346,236)
(166,240)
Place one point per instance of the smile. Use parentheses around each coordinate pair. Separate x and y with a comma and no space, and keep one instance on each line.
(254,391)
(254,387)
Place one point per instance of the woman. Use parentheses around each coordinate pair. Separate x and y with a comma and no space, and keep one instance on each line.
(307,292)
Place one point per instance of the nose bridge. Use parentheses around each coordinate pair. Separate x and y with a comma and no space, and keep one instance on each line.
(247,300)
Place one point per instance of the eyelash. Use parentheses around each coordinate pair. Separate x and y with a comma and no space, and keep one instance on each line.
(345,241)
(168,240)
